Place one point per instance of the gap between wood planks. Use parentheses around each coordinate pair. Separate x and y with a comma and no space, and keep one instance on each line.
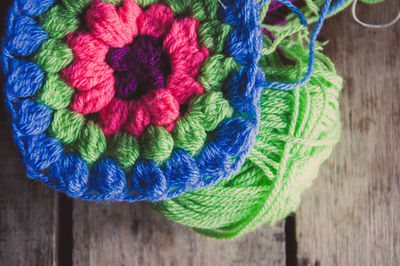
(65,241)
(290,241)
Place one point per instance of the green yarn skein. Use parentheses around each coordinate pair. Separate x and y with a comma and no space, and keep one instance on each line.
(298,131)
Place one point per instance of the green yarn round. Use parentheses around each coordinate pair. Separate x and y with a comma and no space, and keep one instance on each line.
(92,143)
(66,125)
(189,135)
(297,132)
(59,21)
(55,92)
(76,5)
(216,70)
(54,55)
(124,148)
(213,35)
(156,144)
(210,109)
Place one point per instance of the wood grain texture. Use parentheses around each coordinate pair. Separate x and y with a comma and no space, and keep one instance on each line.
(134,234)
(351,215)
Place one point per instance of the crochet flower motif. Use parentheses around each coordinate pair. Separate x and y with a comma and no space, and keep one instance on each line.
(99,85)
(135,68)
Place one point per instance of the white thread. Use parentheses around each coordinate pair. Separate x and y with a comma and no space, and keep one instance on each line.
(367,25)
(222,4)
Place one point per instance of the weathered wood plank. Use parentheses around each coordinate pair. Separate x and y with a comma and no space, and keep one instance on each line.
(351,215)
(28,210)
(133,234)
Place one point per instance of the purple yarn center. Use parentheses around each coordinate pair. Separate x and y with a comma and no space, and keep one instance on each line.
(139,67)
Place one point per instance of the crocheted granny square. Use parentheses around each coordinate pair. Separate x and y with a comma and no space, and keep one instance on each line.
(133,100)
(203,107)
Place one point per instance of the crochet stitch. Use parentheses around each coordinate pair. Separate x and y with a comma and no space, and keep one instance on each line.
(194,105)
(159,98)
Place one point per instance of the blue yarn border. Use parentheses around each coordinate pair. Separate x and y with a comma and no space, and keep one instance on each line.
(45,158)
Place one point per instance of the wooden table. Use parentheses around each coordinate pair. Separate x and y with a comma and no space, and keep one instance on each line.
(349,217)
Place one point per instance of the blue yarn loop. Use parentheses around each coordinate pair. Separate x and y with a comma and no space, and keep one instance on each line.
(292,7)
(327,9)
